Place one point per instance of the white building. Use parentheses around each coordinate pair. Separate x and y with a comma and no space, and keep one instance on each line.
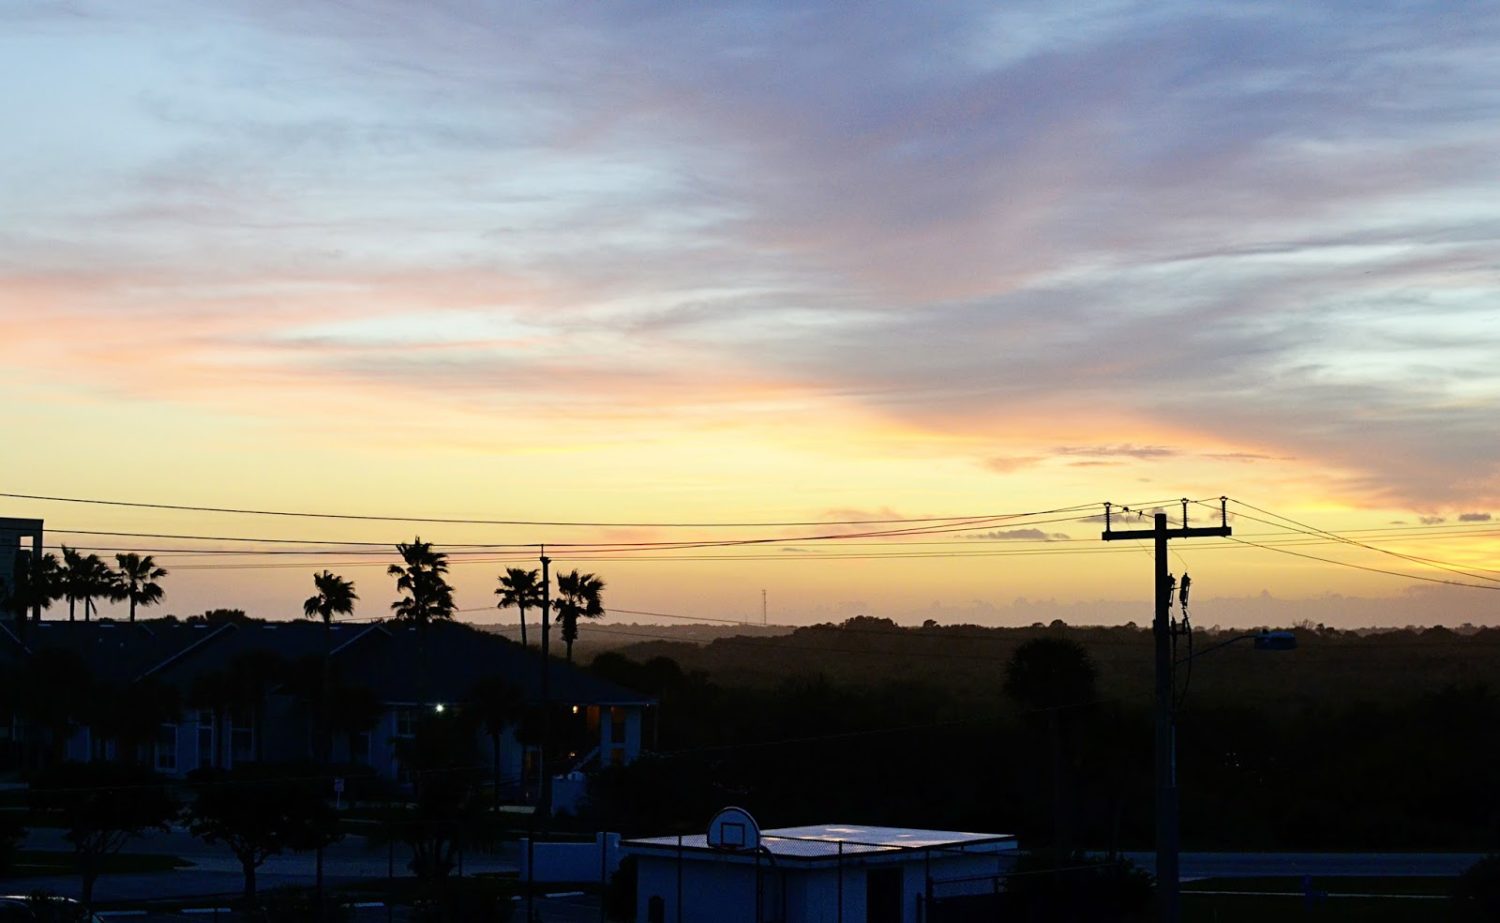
(826,873)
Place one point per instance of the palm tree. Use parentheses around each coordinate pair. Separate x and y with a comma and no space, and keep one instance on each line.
(138,576)
(73,578)
(580,596)
(497,703)
(421,577)
(335,596)
(520,588)
(37,583)
(89,578)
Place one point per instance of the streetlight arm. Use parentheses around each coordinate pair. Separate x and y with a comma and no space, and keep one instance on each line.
(1264,640)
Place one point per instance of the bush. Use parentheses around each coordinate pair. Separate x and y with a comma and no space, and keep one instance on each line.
(1077,887)
(619,895)
(1477,891)
(11,835)
(293,904)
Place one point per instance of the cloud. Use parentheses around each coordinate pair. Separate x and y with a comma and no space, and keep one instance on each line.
(1431,520)
(1474,517)
(1006,465)
(1124,451)
(1020,535)
(1247,230)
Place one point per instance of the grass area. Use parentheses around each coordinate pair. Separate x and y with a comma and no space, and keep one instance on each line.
(33,862)
(1349,884)
(1221,908)
(1401,900)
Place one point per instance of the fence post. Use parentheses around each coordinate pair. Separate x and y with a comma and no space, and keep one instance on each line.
(841,882)
(603,871)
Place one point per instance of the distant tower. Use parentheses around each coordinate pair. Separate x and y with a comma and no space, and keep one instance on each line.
(763,608)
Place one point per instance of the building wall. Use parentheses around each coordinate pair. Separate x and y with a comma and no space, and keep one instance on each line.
(720,892)
(725,891)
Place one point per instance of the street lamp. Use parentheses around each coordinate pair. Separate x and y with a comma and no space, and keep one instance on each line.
(1168,848)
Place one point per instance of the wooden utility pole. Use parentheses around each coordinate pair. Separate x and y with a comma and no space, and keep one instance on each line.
(1167,877)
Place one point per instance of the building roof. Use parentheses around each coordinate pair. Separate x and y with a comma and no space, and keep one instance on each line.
(387,657)
(119,652)
(822,841)
(453,658)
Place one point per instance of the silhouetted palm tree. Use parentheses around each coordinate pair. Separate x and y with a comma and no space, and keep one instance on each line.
(73,579)
(37,584)
(580,596)
(520,588)
(97,581)
(496,703)
(138,576)
(421,576)
(335,596)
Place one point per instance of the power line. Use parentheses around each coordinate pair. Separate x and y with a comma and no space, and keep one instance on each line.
(360,517)
(1373,570)
(1314,530)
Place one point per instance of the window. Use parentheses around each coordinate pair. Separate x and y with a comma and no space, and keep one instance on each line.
(241,738)
(166,748)
(406,722)
(359,748)
(205,738)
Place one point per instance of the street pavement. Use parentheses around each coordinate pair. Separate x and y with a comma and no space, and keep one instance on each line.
(1319,865)
(215,871)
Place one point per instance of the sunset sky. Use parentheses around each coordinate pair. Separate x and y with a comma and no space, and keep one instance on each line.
(752,262)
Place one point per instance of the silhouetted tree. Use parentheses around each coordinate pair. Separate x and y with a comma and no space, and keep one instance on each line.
(37,584)
(53,691)
(1053,677)
(335,596)
(132,715)
(138,576)
(522,589)
(579,596)
(97,581)
(259,812)
(422,578)
(447,813)
(101,806)
(495,702)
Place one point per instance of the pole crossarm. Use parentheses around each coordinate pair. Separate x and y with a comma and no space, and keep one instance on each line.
(1182,532)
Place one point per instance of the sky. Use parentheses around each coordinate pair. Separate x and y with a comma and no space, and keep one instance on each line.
(749,262)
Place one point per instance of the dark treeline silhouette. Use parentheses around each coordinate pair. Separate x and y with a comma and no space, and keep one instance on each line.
(1320,748)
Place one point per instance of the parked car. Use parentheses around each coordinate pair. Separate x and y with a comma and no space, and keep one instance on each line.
(20,908)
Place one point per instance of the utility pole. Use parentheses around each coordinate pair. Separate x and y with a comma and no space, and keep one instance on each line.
(1167,877)
(545,801)
(763,608)
(544,790)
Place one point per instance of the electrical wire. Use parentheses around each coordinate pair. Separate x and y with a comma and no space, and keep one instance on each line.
(360,517)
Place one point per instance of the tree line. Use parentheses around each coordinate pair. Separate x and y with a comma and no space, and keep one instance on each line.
(421,581)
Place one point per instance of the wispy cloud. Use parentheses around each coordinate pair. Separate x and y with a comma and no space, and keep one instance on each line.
(1232,235)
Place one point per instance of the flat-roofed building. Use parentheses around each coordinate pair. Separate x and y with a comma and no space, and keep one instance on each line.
(823,873)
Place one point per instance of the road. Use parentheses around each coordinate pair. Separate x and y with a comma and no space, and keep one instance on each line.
(1318,865)
(215,871)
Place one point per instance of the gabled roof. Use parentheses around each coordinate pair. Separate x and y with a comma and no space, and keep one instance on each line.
(392,659)
(453,658)
(119,652)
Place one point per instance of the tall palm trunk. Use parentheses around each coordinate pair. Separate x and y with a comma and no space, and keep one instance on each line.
(523,625)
